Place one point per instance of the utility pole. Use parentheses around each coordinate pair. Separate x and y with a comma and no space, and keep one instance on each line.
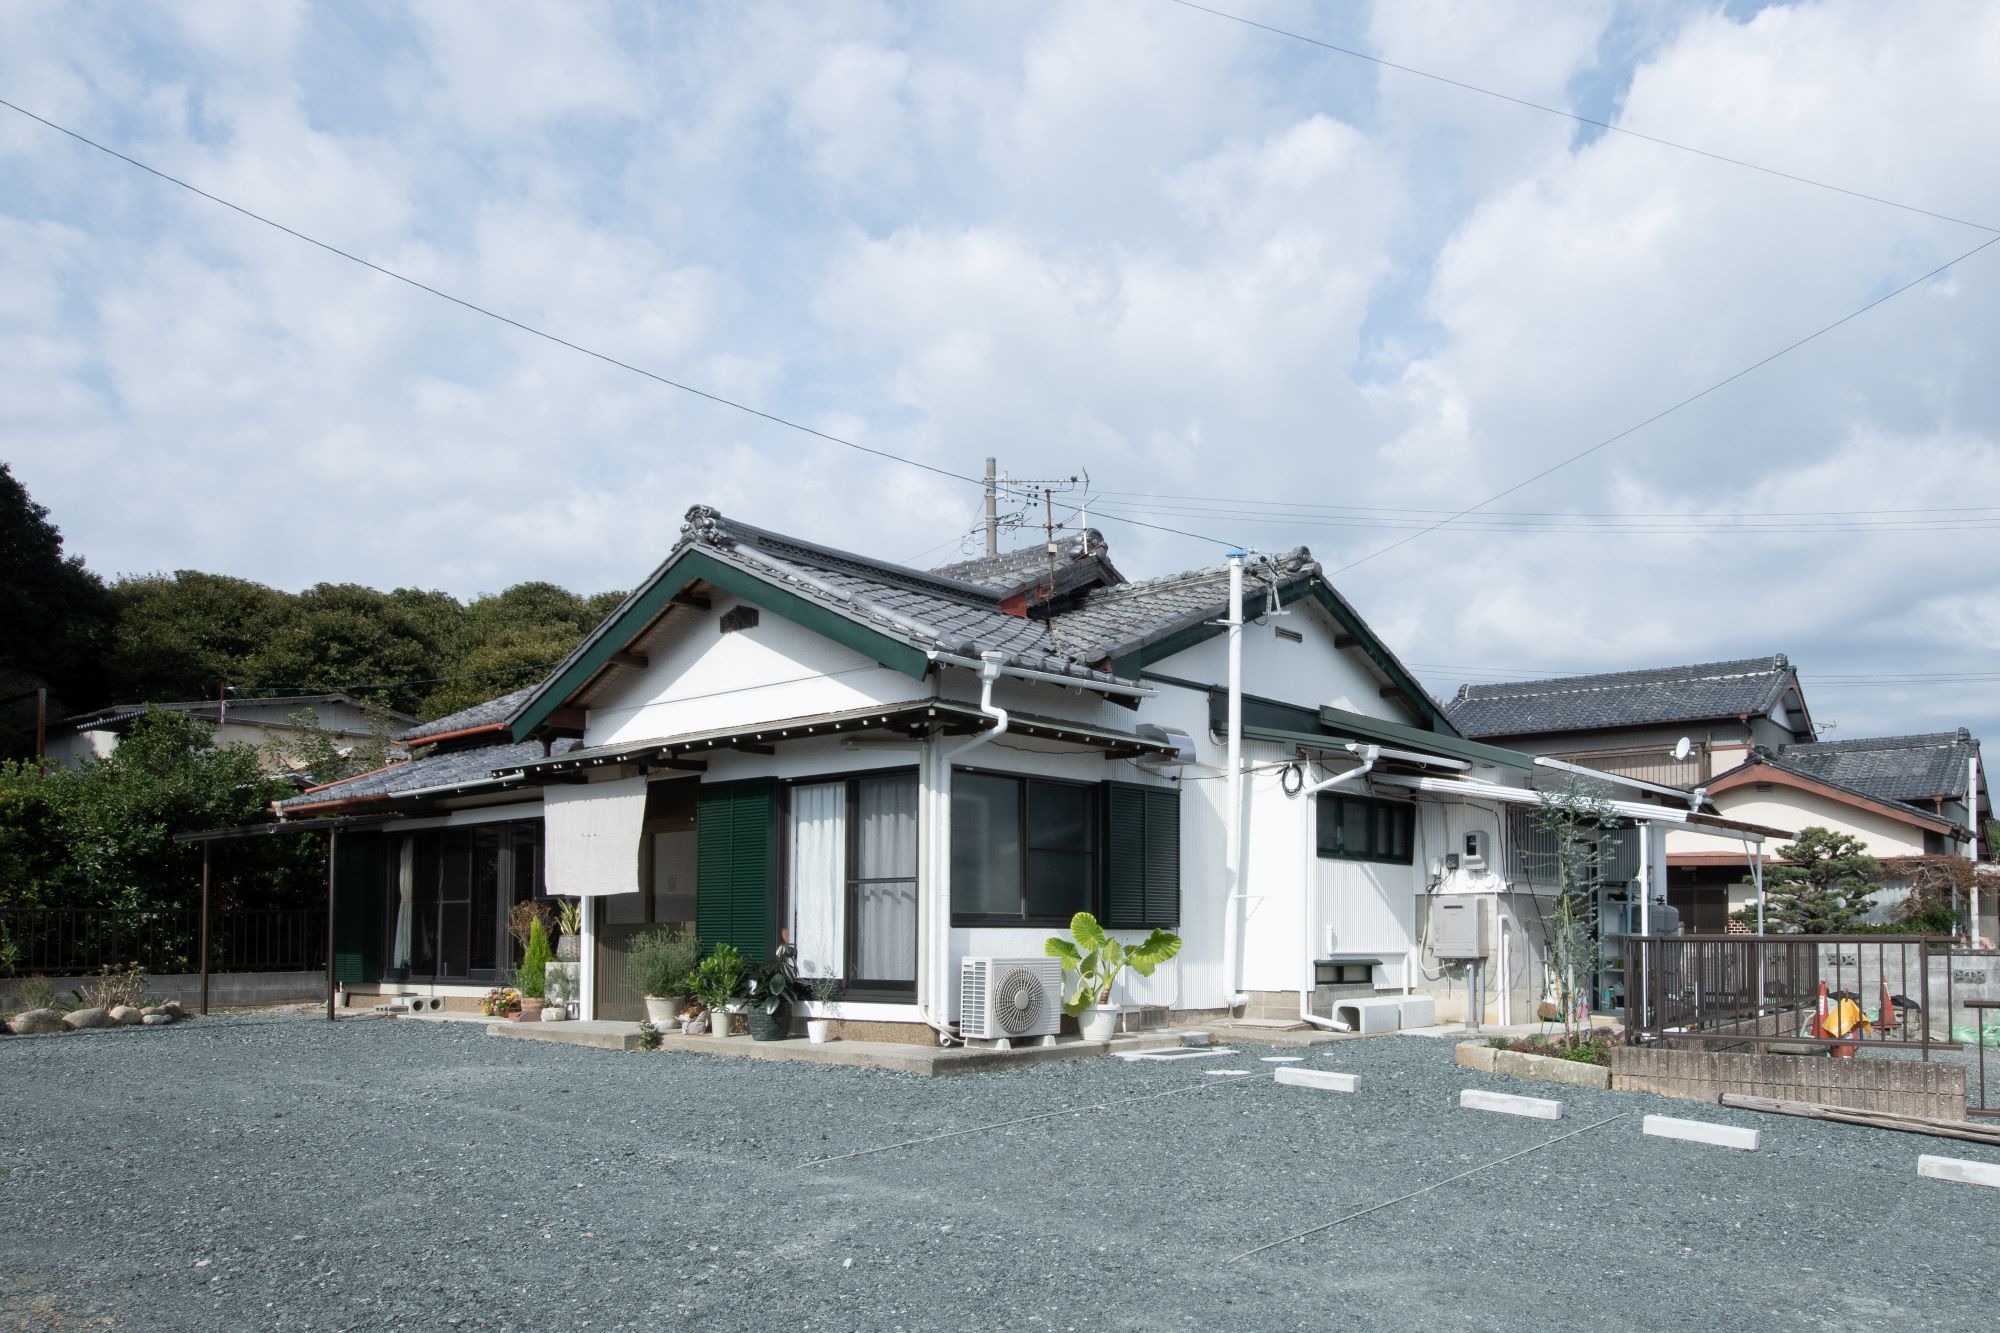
(992,511)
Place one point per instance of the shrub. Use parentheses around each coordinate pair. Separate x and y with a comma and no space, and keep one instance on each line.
(661,962)
(719,978)
(535,962)
(649,1036)
(127,985)
(35,993)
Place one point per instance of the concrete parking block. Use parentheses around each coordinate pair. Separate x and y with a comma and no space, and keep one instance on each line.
(1506,1103)
(1702,1131)
(1959,1171)
(1326,1080)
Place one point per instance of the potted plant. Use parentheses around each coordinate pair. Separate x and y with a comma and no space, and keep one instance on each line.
(660,963)
(819,1028)
(718,983)
(559,990)
(774,988)
(569,920)
(1097,960)
(534,972)
(500,1002)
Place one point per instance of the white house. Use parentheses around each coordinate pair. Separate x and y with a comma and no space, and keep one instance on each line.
(900,769)
(268,724)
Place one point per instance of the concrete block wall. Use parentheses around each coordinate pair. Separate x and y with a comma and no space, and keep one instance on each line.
(1907,1087)
(225,989)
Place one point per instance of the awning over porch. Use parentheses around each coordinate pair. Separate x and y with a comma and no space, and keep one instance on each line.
(688,748)
(1633,810)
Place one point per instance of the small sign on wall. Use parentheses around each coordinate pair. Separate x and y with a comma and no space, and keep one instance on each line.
(1968,976)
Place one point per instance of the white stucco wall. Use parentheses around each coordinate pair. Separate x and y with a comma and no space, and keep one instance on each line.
(1792,808)
(697,677)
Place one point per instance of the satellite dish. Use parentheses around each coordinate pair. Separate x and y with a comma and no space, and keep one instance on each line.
(1683,748)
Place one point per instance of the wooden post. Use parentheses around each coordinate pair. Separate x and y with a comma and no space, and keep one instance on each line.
(332,847)
(204,928)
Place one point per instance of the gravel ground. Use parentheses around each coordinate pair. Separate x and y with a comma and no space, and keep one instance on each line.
(257,1172)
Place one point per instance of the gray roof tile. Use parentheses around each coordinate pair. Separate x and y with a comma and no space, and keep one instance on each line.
(433,770)
(1888,768)
(1622,698)
(501,709)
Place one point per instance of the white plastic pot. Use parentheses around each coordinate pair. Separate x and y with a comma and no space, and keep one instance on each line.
(664,1012)
(819,1030)
(1097,1023)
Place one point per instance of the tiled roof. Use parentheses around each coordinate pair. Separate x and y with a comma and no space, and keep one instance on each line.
(435,770)
(1622,698)
(1889,768)
(1079,561)
(489,713)
(114,715)
(1107,622)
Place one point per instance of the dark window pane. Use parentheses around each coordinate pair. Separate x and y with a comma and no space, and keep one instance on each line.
(1354,827)
(454,923)
(455,884)
(525,836)
(1060,816)
(985,844)
(424,905)
(487,840)
(1059,883)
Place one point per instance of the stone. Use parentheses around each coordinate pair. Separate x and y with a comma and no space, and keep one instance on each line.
(78,1019)
(1506,1103)
(156,1019)
(1476,1055)
(1702,1131)
(36,1023)
(1326,1080)
(159,1009)
(124,1015)
(1551,1069)
(1959,1171)
(175,1010)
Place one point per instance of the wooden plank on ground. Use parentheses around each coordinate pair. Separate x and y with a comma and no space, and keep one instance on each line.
(1850,1115)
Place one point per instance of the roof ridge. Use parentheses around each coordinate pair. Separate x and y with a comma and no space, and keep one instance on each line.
(1519,689)
(711,527)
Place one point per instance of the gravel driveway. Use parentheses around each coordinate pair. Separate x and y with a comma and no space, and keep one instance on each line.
(283,1173)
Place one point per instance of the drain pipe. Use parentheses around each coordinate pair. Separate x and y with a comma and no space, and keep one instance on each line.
(1368,754)
(934,941)
(1232,856)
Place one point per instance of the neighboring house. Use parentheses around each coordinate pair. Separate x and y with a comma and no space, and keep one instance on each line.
(264,723)
(1900,795)
(898,769)
(1631,722)
(1752,753)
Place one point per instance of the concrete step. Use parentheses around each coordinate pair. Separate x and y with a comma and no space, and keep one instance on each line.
(604,1036)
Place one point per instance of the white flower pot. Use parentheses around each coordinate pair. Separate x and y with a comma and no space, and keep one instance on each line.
(819,1030)
(664,1012)
(555,1013)
(1097,1023)
(718,1023)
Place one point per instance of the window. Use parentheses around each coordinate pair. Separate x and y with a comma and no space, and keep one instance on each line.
(1022,849)
(1356,828)
(853,854)
(462,881)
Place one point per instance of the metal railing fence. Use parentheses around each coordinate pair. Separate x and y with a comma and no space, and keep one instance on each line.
(75,941)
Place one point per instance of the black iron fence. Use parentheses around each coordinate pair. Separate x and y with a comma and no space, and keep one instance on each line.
(75,941)
(1836,992)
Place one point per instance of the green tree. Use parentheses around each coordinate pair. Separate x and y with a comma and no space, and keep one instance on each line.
(1579,822)
(1822,885)
(55,618)
(181,635)
(342,636)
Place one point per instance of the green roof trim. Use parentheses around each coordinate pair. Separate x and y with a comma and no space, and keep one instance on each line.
(1396,736)
(689,567)
(1131,664)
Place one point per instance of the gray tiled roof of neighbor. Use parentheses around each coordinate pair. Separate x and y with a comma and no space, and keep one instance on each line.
(115,714)
(434,770)
(484,714)
(1889,768)
(1621,698)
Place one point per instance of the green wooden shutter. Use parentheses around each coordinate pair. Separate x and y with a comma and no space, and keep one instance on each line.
(1142,856)
(736,865)
(358,917)
(1163,856)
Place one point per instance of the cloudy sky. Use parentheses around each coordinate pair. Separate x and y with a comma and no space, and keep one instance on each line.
(1259,291)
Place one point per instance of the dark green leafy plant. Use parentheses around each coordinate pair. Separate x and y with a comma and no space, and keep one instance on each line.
(649,1036)
(775,984)
(1822,885)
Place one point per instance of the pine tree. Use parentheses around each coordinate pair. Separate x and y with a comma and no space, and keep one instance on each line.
(1822,887)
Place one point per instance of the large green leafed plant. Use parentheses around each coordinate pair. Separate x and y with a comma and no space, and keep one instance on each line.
(1097,959)
(719,978)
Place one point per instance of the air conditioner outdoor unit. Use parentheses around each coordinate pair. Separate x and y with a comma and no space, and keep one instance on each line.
(1009,997)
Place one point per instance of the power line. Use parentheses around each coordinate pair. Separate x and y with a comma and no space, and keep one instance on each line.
(1820,332)
(1692,523)
(560,341)
(1582,119)
(1255,505)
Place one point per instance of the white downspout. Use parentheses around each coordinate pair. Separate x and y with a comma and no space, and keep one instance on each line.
(1368,754)
(1232,855)
(934,939)
(1972,841)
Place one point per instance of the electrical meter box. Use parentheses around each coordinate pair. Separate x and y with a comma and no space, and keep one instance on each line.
(1459,927)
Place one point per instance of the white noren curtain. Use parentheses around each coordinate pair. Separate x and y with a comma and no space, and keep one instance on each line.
(592,835)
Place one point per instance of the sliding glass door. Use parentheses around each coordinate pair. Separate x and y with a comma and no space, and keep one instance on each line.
(853,864)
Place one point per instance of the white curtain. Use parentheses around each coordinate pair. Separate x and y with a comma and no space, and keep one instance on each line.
(885,943)
(819,877)
(406,883)
(592,833)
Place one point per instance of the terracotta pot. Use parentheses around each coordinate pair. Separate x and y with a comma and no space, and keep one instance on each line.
(531,1010)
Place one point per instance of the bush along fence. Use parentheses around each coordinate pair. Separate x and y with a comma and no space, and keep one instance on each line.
(65,941)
